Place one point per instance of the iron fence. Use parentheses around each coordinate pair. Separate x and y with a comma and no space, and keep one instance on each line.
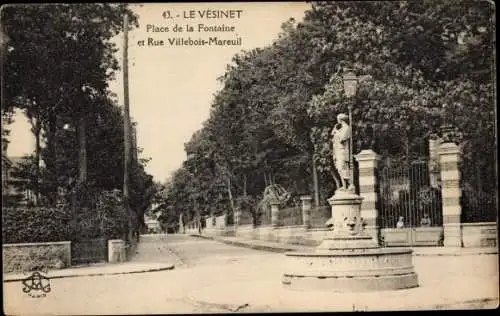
(291,216)
(406,196)
(478,205)
(320,215)
(89,251)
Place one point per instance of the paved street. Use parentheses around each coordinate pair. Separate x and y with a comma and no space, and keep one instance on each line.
(214,277)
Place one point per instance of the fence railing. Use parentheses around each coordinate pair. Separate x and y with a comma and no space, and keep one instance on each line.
(89,251)
(320,215)
(478,206)
(406,196)
(291,216)
(246,218)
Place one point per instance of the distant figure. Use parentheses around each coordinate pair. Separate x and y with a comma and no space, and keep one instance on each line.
(400,223)
(425,221)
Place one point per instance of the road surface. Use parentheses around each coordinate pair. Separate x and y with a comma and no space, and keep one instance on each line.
(212,277)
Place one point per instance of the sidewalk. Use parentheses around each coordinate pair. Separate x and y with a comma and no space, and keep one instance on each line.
(149,257)
(95,270)
(280,247)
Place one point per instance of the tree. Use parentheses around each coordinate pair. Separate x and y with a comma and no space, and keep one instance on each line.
(47,41)
(422,64)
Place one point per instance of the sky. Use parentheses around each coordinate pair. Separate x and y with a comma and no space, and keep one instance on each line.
(171,87)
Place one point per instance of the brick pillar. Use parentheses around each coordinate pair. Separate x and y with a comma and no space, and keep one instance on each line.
(275,209)
(306,210)
(368,164)
(450,191)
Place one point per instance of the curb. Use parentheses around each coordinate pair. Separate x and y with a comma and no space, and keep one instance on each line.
(165,268)
(468,303)
(283,249)
(451,254)
(257,247)
(248,245)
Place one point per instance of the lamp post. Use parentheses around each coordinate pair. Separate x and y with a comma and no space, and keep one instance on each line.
(194,174)
(350,87)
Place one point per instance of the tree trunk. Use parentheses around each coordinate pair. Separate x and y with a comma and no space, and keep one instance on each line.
(244,185)
(82,153)
(36,184)
(230,194)
(50,161)
(315,182)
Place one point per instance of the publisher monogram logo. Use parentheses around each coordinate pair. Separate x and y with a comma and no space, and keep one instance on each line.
(36,285)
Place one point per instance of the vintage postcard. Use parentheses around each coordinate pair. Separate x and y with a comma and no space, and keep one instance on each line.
(247,157)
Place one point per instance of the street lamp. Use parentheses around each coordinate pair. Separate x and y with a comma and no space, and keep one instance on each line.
(350,87)
(68,127)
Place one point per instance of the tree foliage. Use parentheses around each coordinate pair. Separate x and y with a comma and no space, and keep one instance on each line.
(421,64)
(59,60)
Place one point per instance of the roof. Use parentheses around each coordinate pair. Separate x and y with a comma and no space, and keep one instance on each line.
(6,160)
(16,160)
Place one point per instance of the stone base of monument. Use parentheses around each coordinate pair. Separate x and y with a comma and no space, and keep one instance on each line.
(349,260)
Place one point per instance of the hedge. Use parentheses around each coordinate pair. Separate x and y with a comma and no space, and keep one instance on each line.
(34,224)
(106,219)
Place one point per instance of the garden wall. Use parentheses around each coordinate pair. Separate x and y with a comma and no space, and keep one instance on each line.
(22,257)
(479,234)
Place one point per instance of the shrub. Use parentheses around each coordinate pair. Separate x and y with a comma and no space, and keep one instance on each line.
(107,218)
(111,211)
(34,224)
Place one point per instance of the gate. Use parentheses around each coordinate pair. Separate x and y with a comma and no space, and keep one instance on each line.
(89,251)
(410,208)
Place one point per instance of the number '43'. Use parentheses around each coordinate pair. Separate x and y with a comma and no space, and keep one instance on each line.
(167,14)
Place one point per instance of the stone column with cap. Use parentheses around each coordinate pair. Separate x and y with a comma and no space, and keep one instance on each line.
(450,191)
(275,209)
(306,210)
(368,163)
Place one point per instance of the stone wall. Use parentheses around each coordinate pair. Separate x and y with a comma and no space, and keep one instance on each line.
(474,234)
(297,235)
(479,235)
(216,226)
(36,256)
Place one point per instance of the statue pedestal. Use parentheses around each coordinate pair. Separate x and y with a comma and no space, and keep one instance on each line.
(347,224)
(348,260)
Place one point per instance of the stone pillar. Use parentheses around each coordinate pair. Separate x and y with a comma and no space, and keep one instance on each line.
(237,216)
(368,163)
(306,210)
(275,209)
(116,251)
(450,191)
(182,228)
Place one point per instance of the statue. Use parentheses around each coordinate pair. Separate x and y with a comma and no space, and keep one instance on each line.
(273,192)
(341,136)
